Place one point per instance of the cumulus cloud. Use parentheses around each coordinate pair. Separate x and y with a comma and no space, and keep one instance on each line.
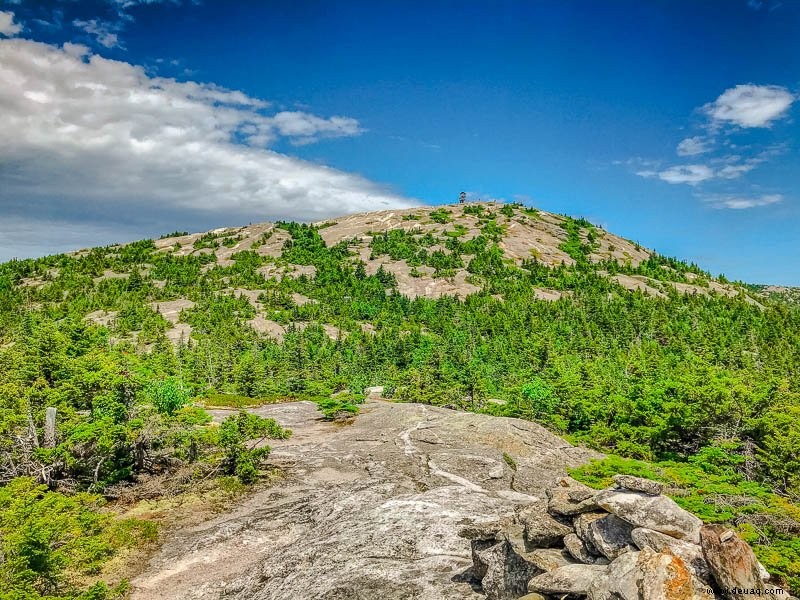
(745,106)
(736,170)
(743,202)
(105,33)
(7,25)
(750,105)
(304,128)
(693,146)
(89,139)
(691,174)
(731,166)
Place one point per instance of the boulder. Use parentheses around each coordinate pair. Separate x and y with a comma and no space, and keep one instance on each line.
(691,554)
(577,549)
(541,529)
(599,589)
(611,536)
(664,576)
(505,573)
(483,531)
(549,559)
(579,493)
(581,525)
(618,582)
(482,556)
(561,498)
(638,484)
(652,512)
(374,392)
(730,560)
(763,573)
(532,596)
(573,580)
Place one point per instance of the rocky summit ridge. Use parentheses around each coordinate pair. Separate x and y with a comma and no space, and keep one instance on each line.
(427,252)
(368,511)
(522,234)
(414,502)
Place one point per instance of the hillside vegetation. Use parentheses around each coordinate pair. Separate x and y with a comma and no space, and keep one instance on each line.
(490,308)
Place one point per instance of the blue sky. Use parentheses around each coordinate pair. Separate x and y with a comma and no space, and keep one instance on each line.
(672,123)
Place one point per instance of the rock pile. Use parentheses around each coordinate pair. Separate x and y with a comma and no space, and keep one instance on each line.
(628,542)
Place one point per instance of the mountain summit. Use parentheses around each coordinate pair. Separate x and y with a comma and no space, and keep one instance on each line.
(114,362)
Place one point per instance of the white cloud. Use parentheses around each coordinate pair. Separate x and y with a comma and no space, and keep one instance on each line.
(750,105)
(693,146)
(87,138)
(743,202)
(7,25)
(726,167)
(691,174)
(103,32)
(305,128)
(736,171)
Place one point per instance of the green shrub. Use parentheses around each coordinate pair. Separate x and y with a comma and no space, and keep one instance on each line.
(50,541)
(235,401)
(440,215)
(167,395)
(340,406)
(239,436)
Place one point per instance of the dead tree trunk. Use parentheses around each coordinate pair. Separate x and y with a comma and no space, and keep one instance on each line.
(50,427)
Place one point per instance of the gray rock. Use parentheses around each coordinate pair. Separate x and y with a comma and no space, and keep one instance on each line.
(763,573)
(581,525)
(515,536)
(549,559)
(691,554)
(730,560)
(664,576)
(652,512)
(483,531)
(639,484)
(541,529)
(579,494)
(374,392)
(578,550)
(599,589)
(611,536)
(506,574)
(581,522)
(622,577)
(496,472)
(574,580)
(482,556)
(560,498)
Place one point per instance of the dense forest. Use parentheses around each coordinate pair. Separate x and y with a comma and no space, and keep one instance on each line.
(700,390)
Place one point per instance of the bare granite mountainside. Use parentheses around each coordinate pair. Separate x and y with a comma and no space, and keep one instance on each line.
(523,236)
(369,510)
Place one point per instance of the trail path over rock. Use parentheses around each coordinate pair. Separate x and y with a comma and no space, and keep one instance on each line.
(369,510)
